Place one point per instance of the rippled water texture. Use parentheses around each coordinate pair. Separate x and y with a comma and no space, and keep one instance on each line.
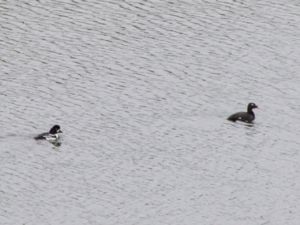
(142,90)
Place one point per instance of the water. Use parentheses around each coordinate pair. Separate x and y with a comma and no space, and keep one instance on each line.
(142,90)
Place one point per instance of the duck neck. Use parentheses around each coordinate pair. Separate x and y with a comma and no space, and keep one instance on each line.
(250,111)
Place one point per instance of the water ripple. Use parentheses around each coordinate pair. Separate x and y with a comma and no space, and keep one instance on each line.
(142,90)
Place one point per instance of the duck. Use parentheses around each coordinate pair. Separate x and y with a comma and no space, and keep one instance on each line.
(247,117)
(52,135)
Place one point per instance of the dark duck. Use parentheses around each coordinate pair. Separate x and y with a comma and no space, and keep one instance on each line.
(52,135)
(247,117)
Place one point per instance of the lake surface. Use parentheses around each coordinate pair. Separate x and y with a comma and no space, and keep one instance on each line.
(142,90)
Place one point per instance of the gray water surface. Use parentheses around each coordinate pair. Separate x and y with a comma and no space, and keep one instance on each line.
(142,90)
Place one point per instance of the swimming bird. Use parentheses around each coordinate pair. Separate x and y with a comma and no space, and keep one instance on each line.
(52,135)
(246,117)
